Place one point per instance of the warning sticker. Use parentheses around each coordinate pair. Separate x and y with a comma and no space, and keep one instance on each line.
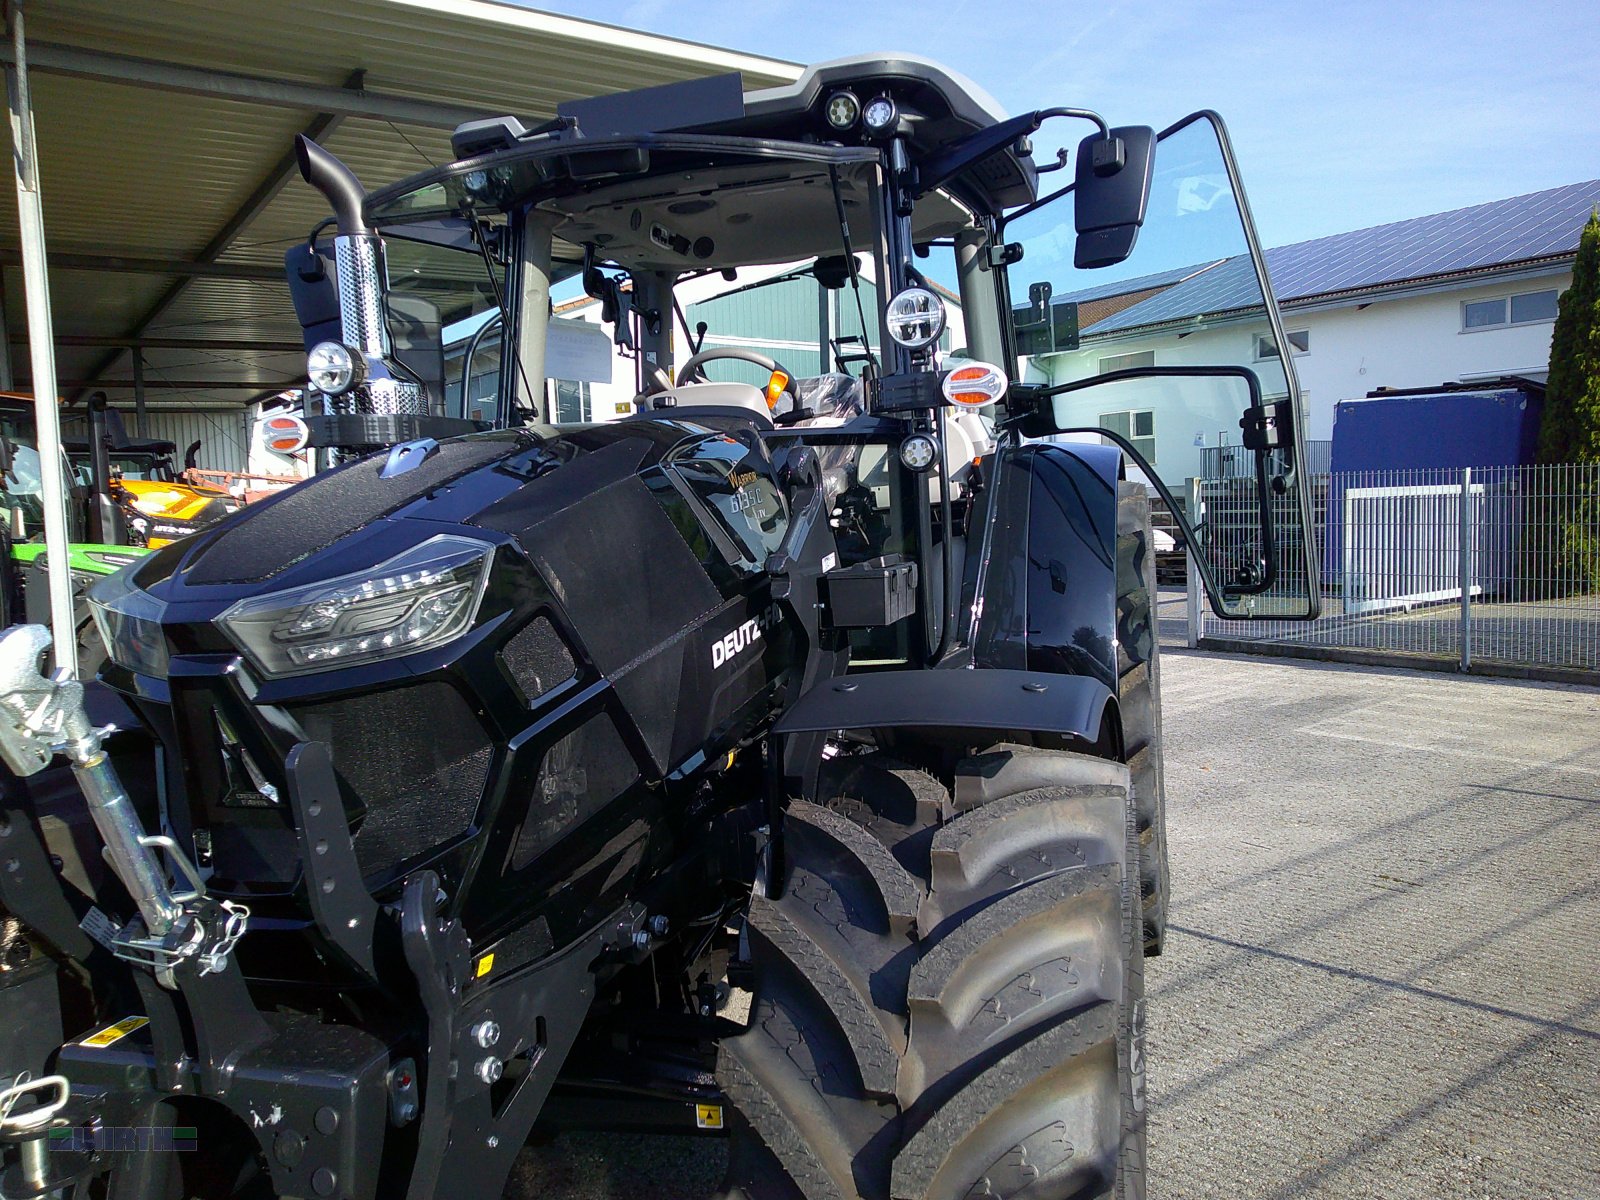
(485,965)
(708,1116)
(115,1033)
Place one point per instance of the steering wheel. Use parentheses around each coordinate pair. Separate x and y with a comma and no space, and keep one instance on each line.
(695,366)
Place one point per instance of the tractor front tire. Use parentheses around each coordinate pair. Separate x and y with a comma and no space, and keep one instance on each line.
(1139,697)
(949,990)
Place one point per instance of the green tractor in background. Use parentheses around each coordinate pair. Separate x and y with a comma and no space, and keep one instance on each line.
(24,584)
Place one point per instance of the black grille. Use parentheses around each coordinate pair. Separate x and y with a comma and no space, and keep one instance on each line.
(580,775)
(537,658)
(414,757)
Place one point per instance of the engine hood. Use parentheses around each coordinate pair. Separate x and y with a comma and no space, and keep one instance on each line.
(366,513)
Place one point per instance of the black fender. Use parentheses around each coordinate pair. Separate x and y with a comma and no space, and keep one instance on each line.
(1046,577)
(1069,711)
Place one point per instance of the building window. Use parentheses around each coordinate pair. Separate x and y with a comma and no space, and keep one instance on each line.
(1523,308)
(572,402)
(1127,362)
(1138,425)
(1533,306)
(1267,348)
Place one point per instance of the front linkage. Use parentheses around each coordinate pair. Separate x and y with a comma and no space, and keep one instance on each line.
(462,1091)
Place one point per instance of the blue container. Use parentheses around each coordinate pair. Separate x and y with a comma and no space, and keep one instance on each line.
(1430,434)
(1492,426)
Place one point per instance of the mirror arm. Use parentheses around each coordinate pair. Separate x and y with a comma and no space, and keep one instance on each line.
(1030,421)
(1032,393)
(940,169)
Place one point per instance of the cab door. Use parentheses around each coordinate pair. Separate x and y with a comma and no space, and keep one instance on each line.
(1175,349)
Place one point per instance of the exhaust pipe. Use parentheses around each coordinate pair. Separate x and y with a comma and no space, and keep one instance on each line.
(363,278)
(336,182)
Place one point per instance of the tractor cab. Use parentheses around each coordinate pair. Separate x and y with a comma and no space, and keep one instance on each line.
(948,292)
(21,487)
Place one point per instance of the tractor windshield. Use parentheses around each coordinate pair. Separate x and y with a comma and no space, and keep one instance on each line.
(22,488)
(716,244)
(446,281)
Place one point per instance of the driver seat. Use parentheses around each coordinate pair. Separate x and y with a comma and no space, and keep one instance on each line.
(712,395)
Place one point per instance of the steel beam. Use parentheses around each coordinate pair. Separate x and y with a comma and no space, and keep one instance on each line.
(256,89)
(124,264)
(273,346)
(282,171)
(188,385)
(36,286)
(6,380)
(138,391)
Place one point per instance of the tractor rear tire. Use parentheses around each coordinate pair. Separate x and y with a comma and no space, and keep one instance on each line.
(949,991)
(1139,698)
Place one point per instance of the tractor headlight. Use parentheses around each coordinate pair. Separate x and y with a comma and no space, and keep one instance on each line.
(918,451)
(417,600)
(880,115)
(129,619)
(915,318)
(843,109)
(332,368)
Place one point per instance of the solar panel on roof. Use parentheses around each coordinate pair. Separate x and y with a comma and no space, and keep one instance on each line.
(1518,229)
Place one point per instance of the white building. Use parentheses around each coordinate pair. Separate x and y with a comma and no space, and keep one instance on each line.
(1462,295)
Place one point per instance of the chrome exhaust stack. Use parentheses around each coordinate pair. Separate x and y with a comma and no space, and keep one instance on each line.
(365,380)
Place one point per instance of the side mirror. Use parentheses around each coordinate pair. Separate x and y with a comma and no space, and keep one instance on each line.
(832,271)
(314,293)
(1111,192)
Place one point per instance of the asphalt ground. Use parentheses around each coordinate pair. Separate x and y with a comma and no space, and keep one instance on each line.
(1383,973)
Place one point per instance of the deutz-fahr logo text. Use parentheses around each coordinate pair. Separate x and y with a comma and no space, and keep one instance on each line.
(741,639)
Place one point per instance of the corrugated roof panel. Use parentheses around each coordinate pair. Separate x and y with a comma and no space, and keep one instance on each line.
(121,176)
(134,171)
(504,57)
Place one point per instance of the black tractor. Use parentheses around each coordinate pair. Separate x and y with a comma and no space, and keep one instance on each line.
(780,762)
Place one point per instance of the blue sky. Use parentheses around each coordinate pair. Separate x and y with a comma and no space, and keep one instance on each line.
(1344,113)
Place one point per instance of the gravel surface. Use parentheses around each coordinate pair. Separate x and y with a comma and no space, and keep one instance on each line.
(1383,974)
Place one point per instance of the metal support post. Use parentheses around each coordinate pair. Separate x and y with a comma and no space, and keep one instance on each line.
(1464,552)
(42,349)
(1192,565)
(7,383)
(139,413)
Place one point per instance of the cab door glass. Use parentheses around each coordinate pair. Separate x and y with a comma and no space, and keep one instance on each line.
(734,484)
(1131,336)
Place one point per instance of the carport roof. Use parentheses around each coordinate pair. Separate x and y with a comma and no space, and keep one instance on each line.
(169,189)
